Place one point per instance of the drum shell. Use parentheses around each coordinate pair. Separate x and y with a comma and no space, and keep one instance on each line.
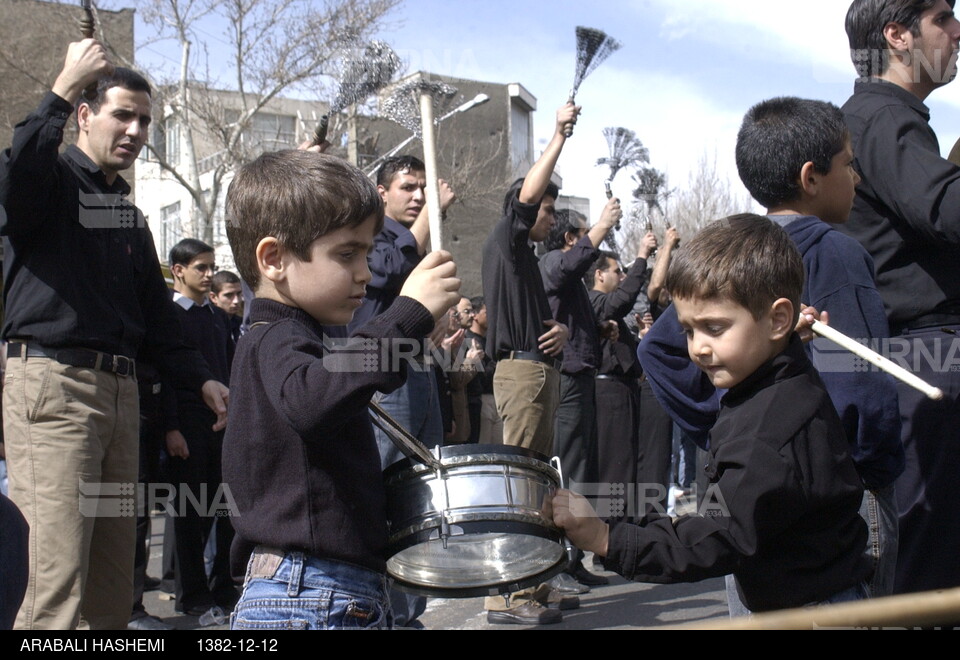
(493,505)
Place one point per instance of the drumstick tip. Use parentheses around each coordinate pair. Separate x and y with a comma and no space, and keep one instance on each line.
(936,394)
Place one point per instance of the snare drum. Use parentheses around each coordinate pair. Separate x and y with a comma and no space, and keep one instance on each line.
(476,528)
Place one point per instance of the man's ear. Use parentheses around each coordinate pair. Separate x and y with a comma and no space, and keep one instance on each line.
(898,37)
(270,259)
(83,117)
(383,193)
(783,319)
(177,271)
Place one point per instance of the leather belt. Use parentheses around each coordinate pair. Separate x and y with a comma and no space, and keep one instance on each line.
(529,356)
(83,358)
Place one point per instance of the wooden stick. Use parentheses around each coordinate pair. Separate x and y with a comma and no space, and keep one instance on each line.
(877,360)
(430,160)
(935,608)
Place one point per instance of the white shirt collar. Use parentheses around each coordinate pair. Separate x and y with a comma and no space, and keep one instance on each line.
(188,303)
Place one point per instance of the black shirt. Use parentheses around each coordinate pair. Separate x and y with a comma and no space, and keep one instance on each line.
(786,521)
(512,287)
(907,209)
(619,358)
(563,281)
(80,268)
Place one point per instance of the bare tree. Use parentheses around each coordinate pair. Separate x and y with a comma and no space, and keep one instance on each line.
(707,197)
(268,49)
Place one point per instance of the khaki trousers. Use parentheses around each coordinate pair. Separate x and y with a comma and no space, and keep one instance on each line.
(527,394)
(491,424)
(67,431)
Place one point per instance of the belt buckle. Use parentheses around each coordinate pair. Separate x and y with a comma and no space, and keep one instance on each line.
(122,365)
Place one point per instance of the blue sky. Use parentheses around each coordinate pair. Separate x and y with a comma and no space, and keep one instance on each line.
(685,76)
(683,80)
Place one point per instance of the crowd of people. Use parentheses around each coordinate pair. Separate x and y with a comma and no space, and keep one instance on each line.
(824,483)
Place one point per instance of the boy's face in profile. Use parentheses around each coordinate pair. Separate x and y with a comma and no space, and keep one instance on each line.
(724,339)
(331,286)
(838,187)
(546,218)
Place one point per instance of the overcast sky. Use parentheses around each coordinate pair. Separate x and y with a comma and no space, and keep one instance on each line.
(686,74)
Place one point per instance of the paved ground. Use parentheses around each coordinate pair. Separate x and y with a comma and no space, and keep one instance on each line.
(620,605)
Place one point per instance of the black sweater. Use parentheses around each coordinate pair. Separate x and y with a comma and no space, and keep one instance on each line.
(791,532)
(299,454)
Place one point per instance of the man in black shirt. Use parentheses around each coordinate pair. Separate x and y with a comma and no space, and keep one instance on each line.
(83,294)
(907,216)
(613,295)
(523,336)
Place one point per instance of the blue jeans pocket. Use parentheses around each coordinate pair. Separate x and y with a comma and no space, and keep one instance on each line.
(312,594)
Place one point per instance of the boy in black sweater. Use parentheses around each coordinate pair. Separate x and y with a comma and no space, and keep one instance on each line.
(193,447)
(785,494)
(299,454)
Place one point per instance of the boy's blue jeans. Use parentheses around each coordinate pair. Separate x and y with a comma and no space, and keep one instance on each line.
(293,591)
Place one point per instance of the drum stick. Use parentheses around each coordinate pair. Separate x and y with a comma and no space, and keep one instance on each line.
(877,360)
(430,161)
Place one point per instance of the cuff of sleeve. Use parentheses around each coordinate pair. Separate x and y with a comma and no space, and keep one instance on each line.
(621,549)
(55,107)
(413,319)
(526,212)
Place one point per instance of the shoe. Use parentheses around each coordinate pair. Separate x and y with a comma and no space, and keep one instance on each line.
(151,583)
(566,585)
(583,576)
(528,614)
(148,623)
(558,601)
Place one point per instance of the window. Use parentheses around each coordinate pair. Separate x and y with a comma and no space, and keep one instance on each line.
(170,230)
(269,131)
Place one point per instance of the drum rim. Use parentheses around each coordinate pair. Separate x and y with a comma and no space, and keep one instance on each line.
(492,589)
(469,450)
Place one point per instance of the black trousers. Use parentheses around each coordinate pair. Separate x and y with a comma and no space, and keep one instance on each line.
(200,476)
(655,451)
(575,433)
(929,507)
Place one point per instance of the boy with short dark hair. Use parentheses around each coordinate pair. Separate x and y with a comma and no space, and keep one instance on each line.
(794,156)
(300,455)
(193,447)
(788,526)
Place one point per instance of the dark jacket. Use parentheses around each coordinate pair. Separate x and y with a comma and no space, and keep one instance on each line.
(907,209)
(783,515)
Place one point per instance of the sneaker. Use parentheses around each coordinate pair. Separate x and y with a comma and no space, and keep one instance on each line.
(528,614)
(148,622)
(565,584)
